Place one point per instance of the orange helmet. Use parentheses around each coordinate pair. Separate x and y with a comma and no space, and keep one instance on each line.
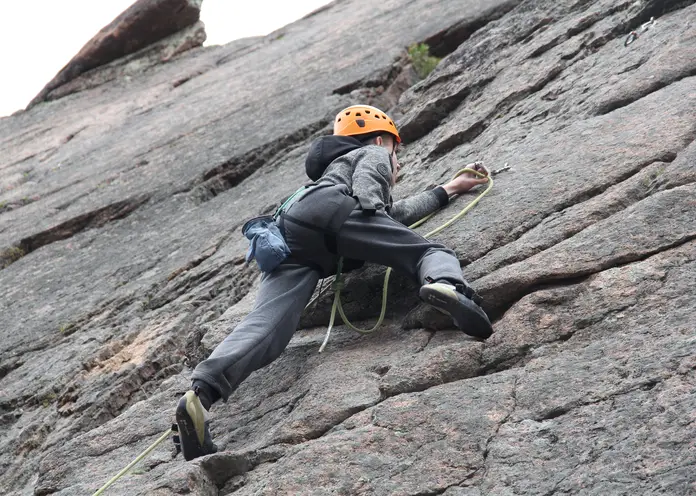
(363,119)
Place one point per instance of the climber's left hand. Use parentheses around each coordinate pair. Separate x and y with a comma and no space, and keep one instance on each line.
(466,181)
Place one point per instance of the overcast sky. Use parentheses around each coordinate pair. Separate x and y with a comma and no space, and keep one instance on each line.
(38,37)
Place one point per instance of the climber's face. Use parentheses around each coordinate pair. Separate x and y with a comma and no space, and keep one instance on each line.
(388,142)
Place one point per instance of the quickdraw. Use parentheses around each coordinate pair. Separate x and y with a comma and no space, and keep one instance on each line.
(633,35)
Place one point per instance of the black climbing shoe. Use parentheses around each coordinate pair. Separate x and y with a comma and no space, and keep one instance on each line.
(462,304)
(194,427)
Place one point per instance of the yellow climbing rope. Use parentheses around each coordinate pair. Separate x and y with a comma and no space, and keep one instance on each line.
(133,463)
(338,282)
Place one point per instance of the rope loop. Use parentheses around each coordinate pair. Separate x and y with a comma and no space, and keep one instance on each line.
(338,284)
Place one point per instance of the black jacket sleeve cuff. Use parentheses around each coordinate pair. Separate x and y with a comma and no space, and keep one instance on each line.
(441,195)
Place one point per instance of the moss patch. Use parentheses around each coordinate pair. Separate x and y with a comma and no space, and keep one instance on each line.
(422,61)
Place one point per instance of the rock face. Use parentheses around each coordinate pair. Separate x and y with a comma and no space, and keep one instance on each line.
(120,215)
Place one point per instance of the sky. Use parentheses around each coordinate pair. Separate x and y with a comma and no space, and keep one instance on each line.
(38,37)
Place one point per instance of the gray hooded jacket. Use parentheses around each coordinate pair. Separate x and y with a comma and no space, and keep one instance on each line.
(366,170)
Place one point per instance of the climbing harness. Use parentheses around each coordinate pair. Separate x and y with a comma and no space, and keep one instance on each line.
(289,201)
(633,35)
(338,281)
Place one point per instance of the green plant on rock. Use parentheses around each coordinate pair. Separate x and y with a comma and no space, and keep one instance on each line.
(66,329)
(139,470)
(653,180)
(10,256)
(48,399)
(422,61)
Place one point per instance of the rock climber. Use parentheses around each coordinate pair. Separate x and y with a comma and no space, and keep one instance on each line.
(347,212)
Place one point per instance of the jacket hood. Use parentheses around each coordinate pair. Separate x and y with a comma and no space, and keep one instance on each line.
(325,150)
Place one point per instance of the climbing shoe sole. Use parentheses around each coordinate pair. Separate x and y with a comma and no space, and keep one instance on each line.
(467,315)
(191,419)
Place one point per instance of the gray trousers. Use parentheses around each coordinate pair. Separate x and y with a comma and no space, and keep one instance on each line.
(265,332)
